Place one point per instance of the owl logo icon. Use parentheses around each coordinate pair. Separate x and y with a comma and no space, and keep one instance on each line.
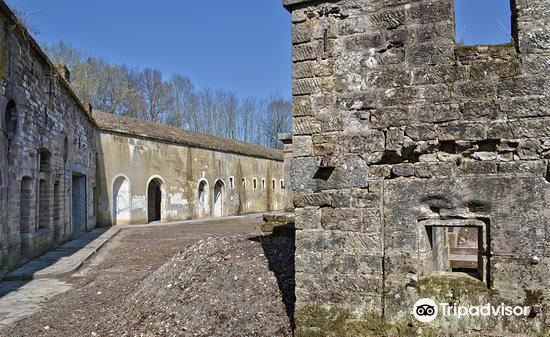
(425,310)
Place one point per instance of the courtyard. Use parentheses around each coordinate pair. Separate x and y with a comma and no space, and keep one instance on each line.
(94,300)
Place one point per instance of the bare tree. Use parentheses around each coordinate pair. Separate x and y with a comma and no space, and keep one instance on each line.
(157,94)
(144,94)
(184,102)
(278,119)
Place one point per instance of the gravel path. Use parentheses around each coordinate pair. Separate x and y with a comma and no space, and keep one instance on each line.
(122,291)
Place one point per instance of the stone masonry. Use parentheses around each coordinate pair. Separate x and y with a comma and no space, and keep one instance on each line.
(47,143)
(420,167)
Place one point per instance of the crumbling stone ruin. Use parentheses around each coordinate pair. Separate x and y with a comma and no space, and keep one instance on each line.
(420,167)
(65,169)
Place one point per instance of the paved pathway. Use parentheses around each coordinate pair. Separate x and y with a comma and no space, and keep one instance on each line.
(66,259)
(40,280)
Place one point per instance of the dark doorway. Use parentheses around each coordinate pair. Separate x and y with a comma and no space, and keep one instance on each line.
(79,211)
(154,200)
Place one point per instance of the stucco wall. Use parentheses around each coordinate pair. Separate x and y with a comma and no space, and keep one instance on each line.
(181,169)
(45,114)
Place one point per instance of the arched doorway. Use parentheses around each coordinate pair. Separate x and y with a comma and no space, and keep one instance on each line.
(203,209)
(154,200)
(121,201)
(218,198)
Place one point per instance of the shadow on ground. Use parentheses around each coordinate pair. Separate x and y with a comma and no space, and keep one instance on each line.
(279,248)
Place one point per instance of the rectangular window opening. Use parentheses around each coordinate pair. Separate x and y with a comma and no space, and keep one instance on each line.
(255,183)
(458,249)
(263,184)
(487,22)
(282,184)
(231,182)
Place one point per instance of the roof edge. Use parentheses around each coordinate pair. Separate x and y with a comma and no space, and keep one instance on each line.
(275,154)
(189,145)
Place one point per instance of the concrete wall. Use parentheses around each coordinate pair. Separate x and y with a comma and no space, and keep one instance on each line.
(47,122)
(397,129)
(181,169)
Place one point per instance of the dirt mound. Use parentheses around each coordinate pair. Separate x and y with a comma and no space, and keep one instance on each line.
(217,287)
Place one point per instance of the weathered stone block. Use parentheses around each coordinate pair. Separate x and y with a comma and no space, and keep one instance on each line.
(461,131)
(476,167)
(308,51)
(302,146)
(308,218)
(305,126)
(301,106)
(403,170)
(303,70)
(301,33)
(303,199)
(383,118)
(306,86)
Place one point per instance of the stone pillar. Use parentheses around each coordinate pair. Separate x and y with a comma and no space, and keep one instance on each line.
(286,139)
(394,123)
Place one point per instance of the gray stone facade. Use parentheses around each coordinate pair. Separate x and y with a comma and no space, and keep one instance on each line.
(48,150)
(417,161)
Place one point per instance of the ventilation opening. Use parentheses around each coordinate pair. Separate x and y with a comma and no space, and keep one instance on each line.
(10,120)
(45,160)
(487,22)
(458,249)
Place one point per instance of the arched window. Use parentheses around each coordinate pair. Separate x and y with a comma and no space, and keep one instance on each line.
(25,205)
(218,198)
(203,206)
(45,157)
(10,120)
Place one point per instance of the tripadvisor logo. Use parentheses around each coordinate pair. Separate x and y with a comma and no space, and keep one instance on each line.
(425,310)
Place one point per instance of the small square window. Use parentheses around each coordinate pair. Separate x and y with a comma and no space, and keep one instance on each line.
(487,22)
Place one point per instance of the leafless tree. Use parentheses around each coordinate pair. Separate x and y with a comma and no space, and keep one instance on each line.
(144,94)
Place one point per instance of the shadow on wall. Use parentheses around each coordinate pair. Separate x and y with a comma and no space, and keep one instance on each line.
(279,249)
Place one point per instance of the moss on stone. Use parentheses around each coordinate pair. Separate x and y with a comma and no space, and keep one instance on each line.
(316,320)
(455,285)
(533,297)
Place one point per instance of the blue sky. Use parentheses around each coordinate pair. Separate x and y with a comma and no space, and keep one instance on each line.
(239,45)
(483,21)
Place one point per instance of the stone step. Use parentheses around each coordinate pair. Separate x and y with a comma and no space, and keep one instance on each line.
(461,261)
(464,251)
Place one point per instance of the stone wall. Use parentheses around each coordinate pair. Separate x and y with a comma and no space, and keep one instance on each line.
(398,131)
(181,170)
(47,138)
